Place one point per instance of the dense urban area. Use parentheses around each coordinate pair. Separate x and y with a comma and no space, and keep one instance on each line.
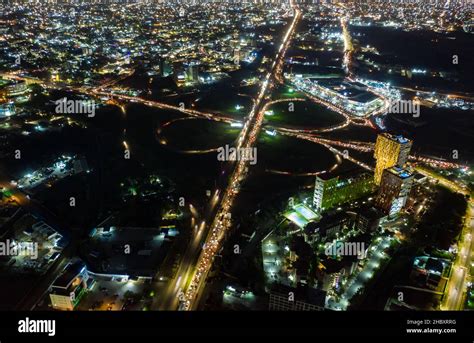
(251,155)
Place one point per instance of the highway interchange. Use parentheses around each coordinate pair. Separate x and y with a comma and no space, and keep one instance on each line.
(185,289)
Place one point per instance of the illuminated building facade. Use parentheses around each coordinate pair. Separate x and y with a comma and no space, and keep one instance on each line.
(390,151)
(17,88)
(237,54)
(179,76)
(55,76)
(7,109)
(335,191)
(192,72)
(319,186)
(69,287)
(351,97)
(367,219)
(165,67)
(394,190)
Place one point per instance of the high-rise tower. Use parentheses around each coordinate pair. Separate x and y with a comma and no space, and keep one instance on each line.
(390,151)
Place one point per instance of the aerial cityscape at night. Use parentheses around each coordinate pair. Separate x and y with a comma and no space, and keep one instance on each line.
(237,156)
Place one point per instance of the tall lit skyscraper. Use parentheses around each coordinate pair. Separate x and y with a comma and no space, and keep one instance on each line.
(318,193)
(394,190)
(237,56)
(165,67)
(390,151)
(192,72)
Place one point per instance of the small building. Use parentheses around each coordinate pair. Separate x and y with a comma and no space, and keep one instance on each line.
(126,251)
(327,227)
(68,289)
(301,215)
(420,178)
(80,165)
(7,109)
(333,271)
(368,219)
(430,272)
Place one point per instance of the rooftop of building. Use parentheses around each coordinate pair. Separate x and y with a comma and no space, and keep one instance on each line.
(354,91)
(335,265)
(369,212)
(431,264)
(301,215)
(68,275)
(301,293)
(327,220)
(350,174)
(127,250)
(400,172)
(397,138)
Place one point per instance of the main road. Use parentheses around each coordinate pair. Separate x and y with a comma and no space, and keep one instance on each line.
(460,273)
(246,140)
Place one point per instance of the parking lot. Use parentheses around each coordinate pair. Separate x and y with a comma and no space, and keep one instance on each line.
(116,296)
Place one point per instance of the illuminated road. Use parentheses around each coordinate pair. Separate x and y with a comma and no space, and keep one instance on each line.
(455,288)
(465,96)
(156,104)
(184,289)
(438,163)
(453,186)
(355,145)
(327,143)
(453,299)
(375,257)
(173,292)
(99,92)
(221,118)
(222,221)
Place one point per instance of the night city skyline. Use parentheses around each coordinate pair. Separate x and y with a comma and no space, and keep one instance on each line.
(237,156)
